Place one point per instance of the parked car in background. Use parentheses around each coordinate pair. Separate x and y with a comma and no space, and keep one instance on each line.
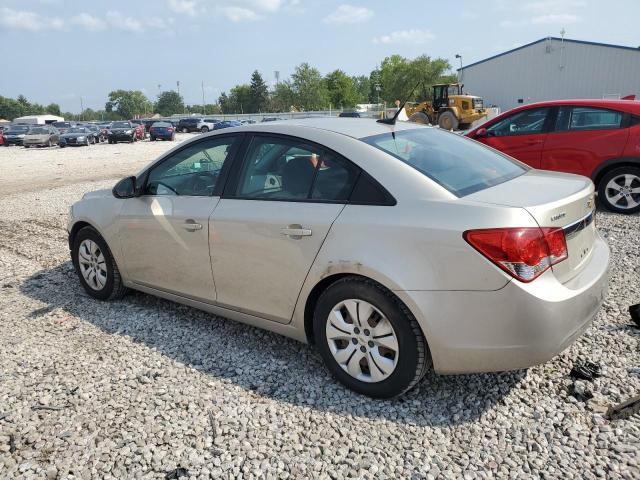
(15,134)
(123,131)
(247,122)
(270,119)
(141,130)
(148,122)
(189,125)
(77,136)
(349,115)
(162,131)
(599,139)
(394,249)
(62,126)
(99,134)
(227,124)
(41,136)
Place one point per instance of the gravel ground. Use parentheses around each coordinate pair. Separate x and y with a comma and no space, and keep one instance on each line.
(141,387)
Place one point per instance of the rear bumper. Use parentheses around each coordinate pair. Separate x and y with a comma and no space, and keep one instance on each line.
(121,137)
(515,327)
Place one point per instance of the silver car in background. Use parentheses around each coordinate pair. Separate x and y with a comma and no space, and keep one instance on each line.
(41,136)
(393,249)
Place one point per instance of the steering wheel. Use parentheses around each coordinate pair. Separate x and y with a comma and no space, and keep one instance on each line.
(203,182)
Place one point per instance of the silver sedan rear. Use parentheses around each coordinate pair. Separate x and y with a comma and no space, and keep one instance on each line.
(394,249)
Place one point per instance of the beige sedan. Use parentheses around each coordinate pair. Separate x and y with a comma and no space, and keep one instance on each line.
(393,249)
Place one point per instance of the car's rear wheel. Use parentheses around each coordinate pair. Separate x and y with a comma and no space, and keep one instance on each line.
(619,190)
(95,266)
(152,138)
(204,129)
(368,338)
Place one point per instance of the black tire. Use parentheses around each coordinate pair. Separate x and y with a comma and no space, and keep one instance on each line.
(113,289)
(447,120)
(152,138)
(419,117)
(414,359)
(622,205)
(185,130)
(204,129)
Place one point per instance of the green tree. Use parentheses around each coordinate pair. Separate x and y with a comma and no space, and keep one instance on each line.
(168,103)
(362,87)
(310,92)
(341,90)
(399,75)
(282,98)
(223,101)
(258,93)
(128,103)
(9,108)
(53,109)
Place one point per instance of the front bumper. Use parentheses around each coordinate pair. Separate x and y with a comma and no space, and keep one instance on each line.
(13,141)
(121,137)
(520,325)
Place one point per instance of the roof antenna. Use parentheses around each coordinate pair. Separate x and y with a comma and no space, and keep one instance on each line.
(392,120)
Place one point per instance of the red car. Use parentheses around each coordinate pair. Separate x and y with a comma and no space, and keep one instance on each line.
(596,138)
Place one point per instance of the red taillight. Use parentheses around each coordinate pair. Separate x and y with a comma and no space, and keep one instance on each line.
(169,130)
(524,253)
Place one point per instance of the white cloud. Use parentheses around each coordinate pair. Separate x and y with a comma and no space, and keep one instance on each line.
(555,18)
(240,14)
(349,14)
(187,7)
(24,20)
(89,22)
(120,21)
(414,36)
(544,6)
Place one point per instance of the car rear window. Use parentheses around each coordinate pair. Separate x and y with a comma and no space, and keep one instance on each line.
(461,165)
(120,125)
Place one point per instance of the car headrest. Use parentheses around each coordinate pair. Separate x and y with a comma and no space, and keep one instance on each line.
(297,175)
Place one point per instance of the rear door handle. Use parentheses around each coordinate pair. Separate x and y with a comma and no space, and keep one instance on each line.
(296,231)
(192,225)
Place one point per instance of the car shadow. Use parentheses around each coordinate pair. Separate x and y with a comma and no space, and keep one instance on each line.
(268,364)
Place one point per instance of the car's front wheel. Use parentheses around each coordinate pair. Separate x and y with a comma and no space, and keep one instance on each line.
(204,129)
(619,190)
(95,266)
(368,338)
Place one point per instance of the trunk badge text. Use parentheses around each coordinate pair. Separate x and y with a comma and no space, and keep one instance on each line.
(558,216)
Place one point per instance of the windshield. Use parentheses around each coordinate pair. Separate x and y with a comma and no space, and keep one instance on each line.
(461,165)
(77,130)
(120,125)
(161,124)
(18,129)
(61,124)
(39,131)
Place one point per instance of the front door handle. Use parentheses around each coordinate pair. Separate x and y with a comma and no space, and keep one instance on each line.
(296,231)
(191,225)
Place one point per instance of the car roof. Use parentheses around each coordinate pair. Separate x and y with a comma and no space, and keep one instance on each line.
(351,127)
(626,105)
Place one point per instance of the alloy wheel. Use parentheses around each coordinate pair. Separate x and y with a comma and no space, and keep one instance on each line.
(623,191)
(362,340)
(92,264)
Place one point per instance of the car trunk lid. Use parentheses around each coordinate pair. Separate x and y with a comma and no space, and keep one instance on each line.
(553,200)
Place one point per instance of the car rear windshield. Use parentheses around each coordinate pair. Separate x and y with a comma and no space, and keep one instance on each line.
(161,124)
(461,165)
(18,129)
(120,125)
(39,131)
(61,124)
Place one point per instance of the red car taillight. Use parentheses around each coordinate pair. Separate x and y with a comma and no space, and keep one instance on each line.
(169,130)
(524,253)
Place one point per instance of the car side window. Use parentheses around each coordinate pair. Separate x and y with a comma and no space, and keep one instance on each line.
(526,122)
(278,168)
(587,118)
(192,171)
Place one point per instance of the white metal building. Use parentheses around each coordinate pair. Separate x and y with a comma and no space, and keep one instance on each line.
(554,68)
(38,119)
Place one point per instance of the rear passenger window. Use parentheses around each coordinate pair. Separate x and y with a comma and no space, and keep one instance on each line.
(587,118)
(525,122)
(278,168)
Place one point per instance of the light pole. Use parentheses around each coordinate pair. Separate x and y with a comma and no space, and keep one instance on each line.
(460,72)
(81,110)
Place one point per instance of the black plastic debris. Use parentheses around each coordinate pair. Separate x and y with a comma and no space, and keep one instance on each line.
(177,473)
(586,371)
(624,409)
(579,391)
(634,311)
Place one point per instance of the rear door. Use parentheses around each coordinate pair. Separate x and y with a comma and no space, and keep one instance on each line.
(272,220)
(521,135)
(582,138)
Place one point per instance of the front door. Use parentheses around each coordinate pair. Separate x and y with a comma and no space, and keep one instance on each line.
(268,230)
(521,135)
(164,233)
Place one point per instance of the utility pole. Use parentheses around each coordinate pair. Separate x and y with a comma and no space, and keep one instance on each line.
(460,72)
(204,108)
(81,110)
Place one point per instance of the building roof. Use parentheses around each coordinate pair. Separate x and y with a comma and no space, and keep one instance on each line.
(568,40)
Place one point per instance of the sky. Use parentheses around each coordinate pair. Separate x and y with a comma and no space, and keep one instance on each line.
(63,50)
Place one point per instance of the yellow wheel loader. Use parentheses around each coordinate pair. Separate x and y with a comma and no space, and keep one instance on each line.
(450,108)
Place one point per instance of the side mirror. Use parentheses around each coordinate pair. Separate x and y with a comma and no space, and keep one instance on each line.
(481,133)
(125,188)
